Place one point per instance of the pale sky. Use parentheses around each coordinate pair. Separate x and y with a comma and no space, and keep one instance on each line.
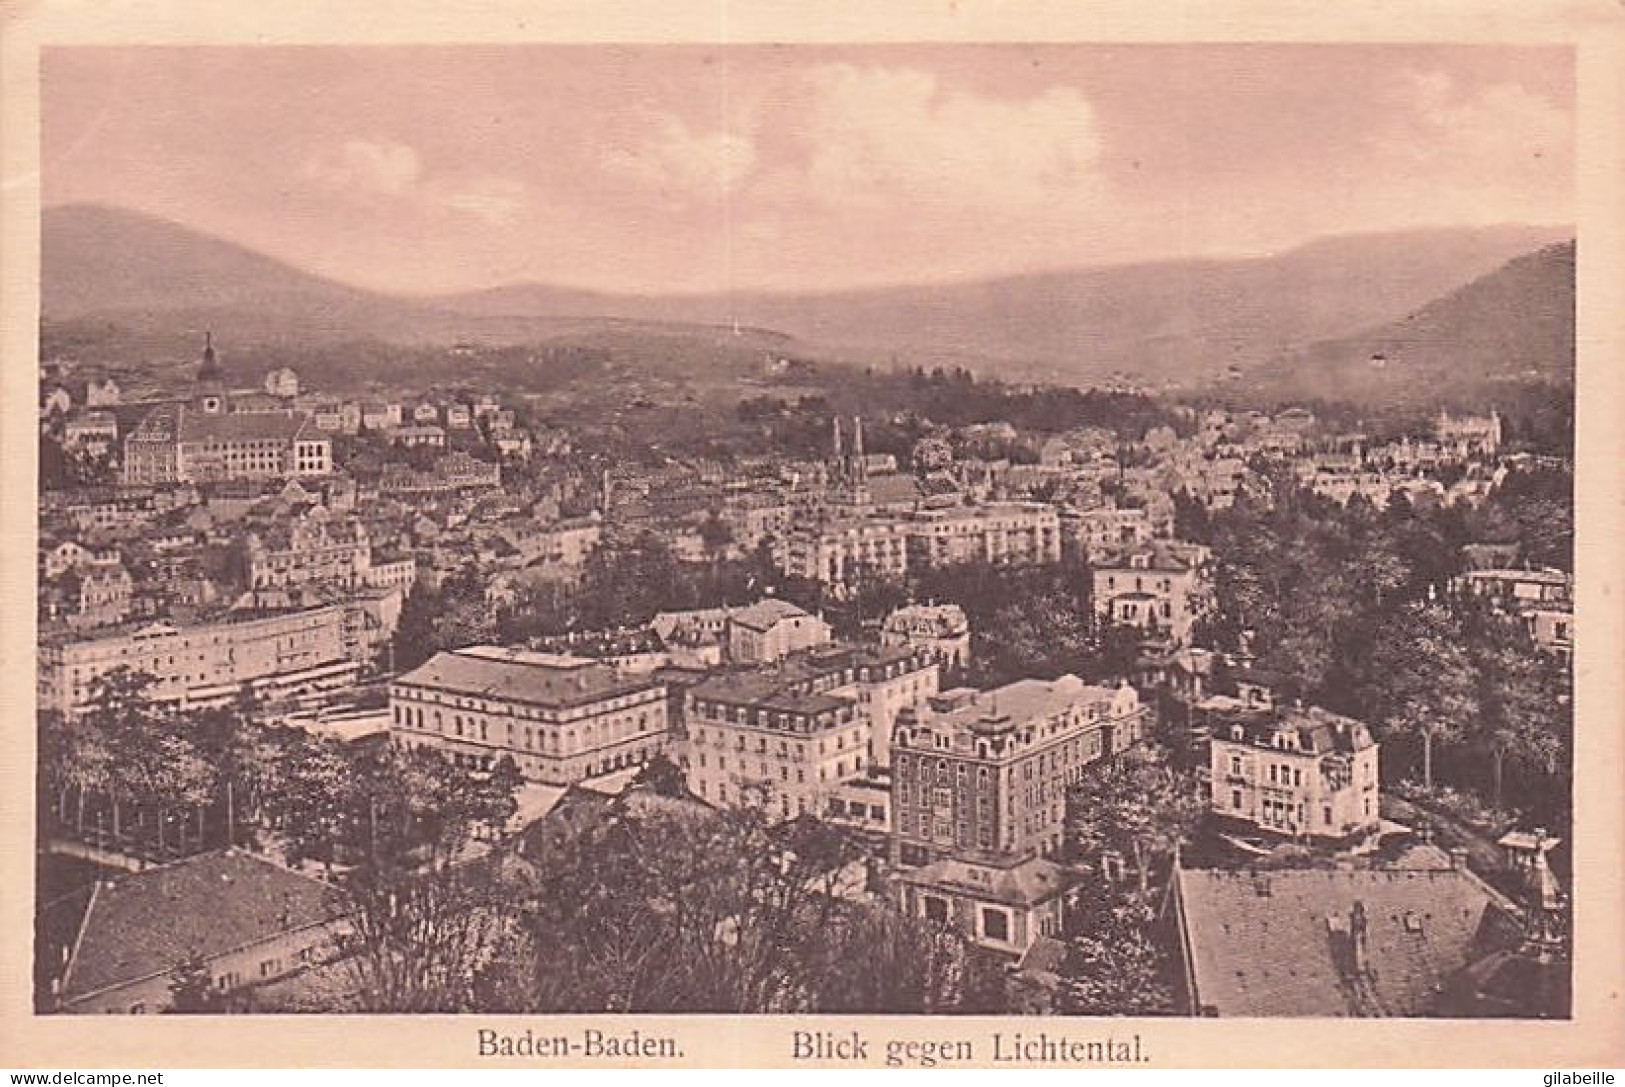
(686,168)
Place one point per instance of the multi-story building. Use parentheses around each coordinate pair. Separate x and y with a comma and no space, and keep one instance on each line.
(342,417)
(1469,435)
(940,628)
(996,533)
(1089,532)
(273,655)
(1162,586)
(559,718)
(1299,773)
(103,394)
(313,549)
(571,542)
(981,773)
(94,432)
(282,383)
(93,595)
(201,440)
(455,471)
(843,700)
(419,434)
(846,551)
(752,740)
(1515,590)
(248,447)
(771,629)
(1551,628)
(755,518)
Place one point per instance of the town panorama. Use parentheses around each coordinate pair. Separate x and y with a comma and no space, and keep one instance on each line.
(447,659)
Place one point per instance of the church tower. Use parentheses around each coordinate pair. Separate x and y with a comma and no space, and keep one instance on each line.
(211,389)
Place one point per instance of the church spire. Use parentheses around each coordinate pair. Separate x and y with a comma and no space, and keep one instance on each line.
(210,370)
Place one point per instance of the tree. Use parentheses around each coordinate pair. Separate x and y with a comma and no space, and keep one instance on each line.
(124,728)
(663,776)
(1135,805)
(1114,964)
(192,990)
(1524,718)
(671,907)
(419,941)
(494,803)
(229,740)
(312,791)
(1421,681)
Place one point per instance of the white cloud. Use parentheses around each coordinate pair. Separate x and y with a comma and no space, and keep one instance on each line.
(496,200)
(1502,120)
(884,135)
(379,167)
(1499,134)
(663,153)
(373,168)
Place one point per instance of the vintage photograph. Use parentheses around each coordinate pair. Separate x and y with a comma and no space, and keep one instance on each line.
(944,529)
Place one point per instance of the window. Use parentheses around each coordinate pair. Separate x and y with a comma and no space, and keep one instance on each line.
(1326,814)
(1235,799)
(936,909)
(995,924)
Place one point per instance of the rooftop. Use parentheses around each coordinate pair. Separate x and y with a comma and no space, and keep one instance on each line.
(766,613)
(149,922)
(545,679)
(1014,705)
(1309,731)
(1024,881)
(246,427)
(1279,943)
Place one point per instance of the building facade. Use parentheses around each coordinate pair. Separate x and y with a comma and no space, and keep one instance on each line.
(1298,773)
(1162,586)
(560,718)
(996,533)
(274,655)
(986,772)
(785,735)
(771,630)
(940,628)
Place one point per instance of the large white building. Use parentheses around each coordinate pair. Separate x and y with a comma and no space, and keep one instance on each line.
(940,628)
(771,629)
(1162,586)
(995,533)
(273,655)
(786,735)
(1298,773)
(203,441)
(559,718)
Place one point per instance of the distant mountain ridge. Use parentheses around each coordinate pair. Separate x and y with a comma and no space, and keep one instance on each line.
(1514,325)
(1170,320)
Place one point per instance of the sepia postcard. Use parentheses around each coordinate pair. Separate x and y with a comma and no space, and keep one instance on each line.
(935,535)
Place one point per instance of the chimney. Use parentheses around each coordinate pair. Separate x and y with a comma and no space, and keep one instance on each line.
(1458,859)
(1358,949)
